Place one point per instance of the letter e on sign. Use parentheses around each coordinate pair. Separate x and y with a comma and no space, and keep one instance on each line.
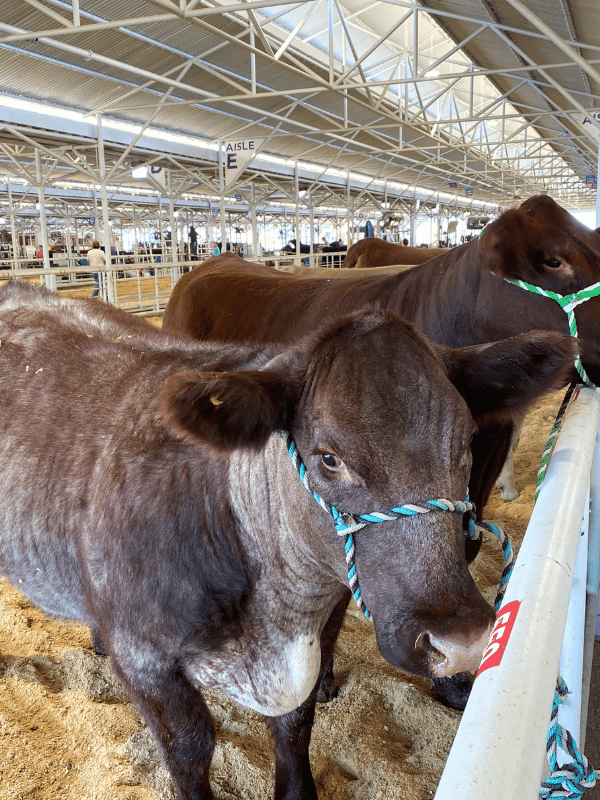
(499,636)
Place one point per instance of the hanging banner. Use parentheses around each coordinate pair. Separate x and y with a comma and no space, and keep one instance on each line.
(236,156)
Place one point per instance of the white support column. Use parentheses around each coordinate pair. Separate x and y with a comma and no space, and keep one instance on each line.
(350,239)
(13,230)
(311,224)
(297,213)
(209,227)
(50,279)
(172,219)
(222,199)
(110,287)
(256,248)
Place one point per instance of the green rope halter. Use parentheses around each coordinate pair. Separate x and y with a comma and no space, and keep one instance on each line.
(568,303)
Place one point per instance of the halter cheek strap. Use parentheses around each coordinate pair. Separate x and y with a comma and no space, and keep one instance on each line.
(568,303)
(348,524)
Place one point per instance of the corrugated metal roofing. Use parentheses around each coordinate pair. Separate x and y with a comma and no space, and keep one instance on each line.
(349,90)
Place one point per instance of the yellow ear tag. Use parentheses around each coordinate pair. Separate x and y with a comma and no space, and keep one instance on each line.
(215,400)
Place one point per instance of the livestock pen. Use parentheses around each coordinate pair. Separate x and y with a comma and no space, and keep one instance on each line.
(142,288)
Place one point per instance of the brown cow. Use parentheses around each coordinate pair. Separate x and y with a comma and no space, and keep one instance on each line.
(375,252)
(341,272)
(458,298)
(146,490)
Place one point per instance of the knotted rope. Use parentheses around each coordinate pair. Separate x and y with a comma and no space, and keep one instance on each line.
(507,553)
(568,303)
(347,524)
(568,780)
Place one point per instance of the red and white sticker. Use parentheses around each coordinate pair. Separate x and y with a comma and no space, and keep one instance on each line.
(499,636)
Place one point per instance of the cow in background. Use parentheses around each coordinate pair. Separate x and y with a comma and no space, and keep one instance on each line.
(458,298)
(374,252)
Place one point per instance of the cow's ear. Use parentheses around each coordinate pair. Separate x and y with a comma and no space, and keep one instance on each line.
(225,410)
(499,381)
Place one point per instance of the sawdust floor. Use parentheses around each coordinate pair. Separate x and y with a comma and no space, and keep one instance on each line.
(68,733)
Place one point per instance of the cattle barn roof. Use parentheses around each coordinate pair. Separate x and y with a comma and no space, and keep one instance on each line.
(478,101)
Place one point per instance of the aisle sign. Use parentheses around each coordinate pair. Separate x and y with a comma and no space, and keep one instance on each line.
(590,122)
(158,173)
(237,155)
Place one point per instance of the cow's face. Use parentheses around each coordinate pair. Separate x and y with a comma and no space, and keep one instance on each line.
(381,418)
(541,243)
(381,425)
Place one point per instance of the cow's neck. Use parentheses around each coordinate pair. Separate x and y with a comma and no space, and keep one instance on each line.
(274,662)
(440,298)
(286,531)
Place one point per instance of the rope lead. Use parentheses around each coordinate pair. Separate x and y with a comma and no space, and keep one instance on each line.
(570,780)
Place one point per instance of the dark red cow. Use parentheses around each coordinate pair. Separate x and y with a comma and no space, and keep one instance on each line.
(146,490)
(457,298)
(375,252)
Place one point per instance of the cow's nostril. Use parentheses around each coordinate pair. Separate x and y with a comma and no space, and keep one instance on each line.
(436,657)
(423,642)
(456,653)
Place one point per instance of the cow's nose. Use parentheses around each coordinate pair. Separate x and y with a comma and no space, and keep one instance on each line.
(454,653)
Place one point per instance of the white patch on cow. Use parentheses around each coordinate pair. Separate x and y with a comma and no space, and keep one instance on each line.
(506,480)
(270,681)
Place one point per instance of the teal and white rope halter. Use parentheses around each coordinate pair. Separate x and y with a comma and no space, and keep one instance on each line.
(568,303)
(347,524)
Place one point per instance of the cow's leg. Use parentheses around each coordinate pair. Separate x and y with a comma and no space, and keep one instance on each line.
(489,448)
(327,690)
(181,723)
(97,645)
(506,480)
(291,732)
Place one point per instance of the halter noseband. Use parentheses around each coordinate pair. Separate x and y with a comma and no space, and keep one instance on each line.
(347,524)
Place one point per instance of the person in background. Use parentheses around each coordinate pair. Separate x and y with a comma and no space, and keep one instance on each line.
(96,259)
(193,243)
(217,250)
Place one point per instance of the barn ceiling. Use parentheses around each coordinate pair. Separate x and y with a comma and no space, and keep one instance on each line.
(439,99)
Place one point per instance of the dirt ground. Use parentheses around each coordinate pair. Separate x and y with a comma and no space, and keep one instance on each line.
(68,733)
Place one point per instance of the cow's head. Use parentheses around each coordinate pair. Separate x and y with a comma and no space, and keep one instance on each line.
(542,244)
(381,418)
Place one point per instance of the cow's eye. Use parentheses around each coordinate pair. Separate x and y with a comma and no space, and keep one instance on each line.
(331,461)
(555,263)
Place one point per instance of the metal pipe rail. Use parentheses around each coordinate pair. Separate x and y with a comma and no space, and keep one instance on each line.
(499,749)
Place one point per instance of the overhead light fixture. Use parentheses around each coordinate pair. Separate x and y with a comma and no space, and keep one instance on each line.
(139,172)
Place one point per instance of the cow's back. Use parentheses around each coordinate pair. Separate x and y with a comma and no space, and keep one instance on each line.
(237,302)
(374,252)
